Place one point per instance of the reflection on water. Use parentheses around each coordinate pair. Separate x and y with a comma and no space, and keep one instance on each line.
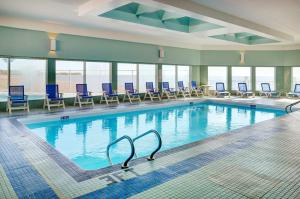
(84,140)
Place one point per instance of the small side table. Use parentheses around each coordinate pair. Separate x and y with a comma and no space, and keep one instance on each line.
(205,89)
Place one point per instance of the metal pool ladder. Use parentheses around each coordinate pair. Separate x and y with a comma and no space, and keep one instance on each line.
(131,142)
(289,107)
(151,157)
(125,164)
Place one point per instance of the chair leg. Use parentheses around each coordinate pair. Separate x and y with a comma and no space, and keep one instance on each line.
(63,104)
(48,104)
(79,102)
(28,110)
(106,100)
(44,106)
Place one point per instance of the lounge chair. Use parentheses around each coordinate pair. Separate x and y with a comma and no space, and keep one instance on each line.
(53,97)
(16,99)
(296,92)
(131,93)
(109,96)
(183,91)
(195,90)
(151,92)
(220,90)
(83,96)
(266,90)
(167,91)
(243,90)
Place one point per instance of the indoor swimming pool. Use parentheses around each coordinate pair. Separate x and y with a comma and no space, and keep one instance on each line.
(84,140)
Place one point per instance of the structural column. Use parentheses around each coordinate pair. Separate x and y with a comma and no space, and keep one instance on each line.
(51,71)
(114,75)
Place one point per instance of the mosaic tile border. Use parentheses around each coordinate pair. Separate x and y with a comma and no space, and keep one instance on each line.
(81,175)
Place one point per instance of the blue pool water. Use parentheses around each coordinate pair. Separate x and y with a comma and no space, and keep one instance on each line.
(84,140)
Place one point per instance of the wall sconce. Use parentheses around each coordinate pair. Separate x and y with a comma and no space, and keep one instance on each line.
(161,53)
(242,57)
(53,45)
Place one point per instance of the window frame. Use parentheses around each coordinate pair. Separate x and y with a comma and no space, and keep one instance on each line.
(259,89)
(251,77)
(28,58)
(213,87)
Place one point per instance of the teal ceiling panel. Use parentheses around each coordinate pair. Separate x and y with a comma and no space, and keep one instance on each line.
(244,38)
(145,15)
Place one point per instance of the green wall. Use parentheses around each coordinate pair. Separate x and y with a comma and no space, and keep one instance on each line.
(28,43)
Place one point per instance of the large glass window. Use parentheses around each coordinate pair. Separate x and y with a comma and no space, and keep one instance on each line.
(29,72)
(96,74)
(126,73)
(296,77)
(217,74)
(183,74)
(146,74)
(3,76)
(169,75)
(265,75)
(68,74)
(241,75)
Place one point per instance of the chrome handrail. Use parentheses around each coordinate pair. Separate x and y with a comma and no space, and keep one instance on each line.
(151,157)
(291,106)
(125,164)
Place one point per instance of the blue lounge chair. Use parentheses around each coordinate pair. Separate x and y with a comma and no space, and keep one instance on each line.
(167,91)
(151,92)
(220,90)
(83,96)
(195,90)
(243,90)
(17,100)
(183,91)
(109,96)
(296,92)
(266,90)
(131,93)
(53,97)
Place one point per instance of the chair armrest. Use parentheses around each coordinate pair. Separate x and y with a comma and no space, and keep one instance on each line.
(26,97)
(115,92)
(172,89)
(90,92)
(61,95)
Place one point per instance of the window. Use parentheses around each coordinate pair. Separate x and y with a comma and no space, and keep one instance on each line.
(241,75)
(296,77)
(29,72)
(146,74)
(96,74)
(265,75)
(183,74)
(217,74)
(3,75)
(126,73)
(68,74)
(169,75)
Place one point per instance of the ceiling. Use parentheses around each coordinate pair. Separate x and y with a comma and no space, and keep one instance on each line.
(195,24)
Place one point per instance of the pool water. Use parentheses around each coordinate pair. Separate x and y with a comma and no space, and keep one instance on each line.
(84,140)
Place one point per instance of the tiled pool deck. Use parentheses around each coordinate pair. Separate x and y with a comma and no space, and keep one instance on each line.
(259,161)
